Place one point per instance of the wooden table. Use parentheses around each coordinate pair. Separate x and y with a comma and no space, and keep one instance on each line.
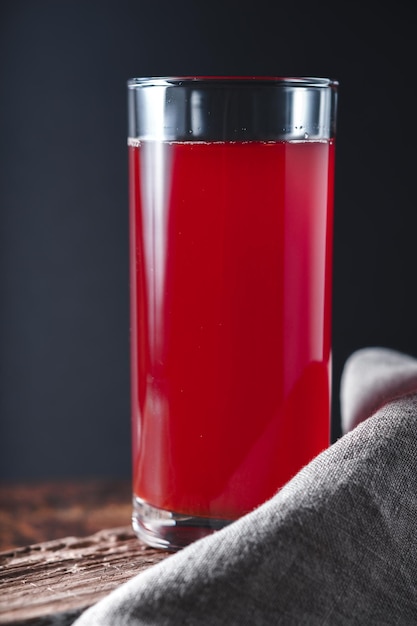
(63,546)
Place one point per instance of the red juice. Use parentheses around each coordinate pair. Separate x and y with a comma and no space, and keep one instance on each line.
(231,254)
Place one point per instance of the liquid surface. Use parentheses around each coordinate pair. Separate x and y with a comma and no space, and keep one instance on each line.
(231,294)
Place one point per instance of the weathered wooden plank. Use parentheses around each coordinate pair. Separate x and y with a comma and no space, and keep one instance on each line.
(42,511)
(51,583)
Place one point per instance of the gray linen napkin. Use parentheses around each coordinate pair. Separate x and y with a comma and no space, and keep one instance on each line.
(336,545)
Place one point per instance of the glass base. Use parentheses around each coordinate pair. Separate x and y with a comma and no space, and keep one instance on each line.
(168,530)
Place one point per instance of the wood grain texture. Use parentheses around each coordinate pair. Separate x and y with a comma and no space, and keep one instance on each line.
(42,511)
(51,583)
(63,546)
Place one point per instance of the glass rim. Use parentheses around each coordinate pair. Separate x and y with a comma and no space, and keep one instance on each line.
(276,81)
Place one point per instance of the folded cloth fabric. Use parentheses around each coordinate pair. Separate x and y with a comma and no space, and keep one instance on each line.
(371,378)
(336,545)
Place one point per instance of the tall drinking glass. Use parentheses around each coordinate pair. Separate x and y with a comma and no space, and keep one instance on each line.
(231,210)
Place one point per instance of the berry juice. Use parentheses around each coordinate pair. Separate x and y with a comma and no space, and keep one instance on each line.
(231,255)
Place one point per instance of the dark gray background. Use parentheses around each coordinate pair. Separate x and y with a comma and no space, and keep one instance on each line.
(64,323)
